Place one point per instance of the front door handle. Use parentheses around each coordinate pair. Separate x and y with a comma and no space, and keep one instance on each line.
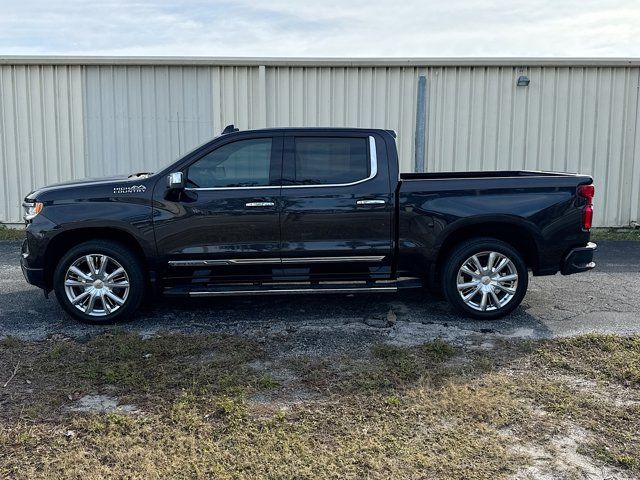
(370,202)
(259,204)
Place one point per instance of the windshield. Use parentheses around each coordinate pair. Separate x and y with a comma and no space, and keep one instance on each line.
(168,164)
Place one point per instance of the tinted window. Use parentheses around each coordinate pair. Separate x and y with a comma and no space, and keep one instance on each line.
(244,163)
(330,160)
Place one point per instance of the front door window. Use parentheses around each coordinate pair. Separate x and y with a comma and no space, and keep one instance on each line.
(245,163)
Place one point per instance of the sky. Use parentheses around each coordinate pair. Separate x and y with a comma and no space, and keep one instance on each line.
(328,28)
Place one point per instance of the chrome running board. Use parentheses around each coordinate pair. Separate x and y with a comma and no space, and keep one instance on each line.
(289,291)
(291,288)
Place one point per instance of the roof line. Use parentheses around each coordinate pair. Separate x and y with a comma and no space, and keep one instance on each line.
(324,62)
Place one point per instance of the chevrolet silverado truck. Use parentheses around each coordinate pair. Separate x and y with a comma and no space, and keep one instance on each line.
(303,210)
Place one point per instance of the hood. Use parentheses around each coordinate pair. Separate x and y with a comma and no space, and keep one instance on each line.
(124,181)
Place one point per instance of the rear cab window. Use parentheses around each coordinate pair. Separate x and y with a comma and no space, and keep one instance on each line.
(328,160)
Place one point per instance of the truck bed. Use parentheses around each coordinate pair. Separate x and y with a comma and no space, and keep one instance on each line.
(437,209)
(483,174)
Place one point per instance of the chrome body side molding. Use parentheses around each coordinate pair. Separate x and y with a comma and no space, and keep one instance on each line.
(359,258)
(228,261)
(274,261)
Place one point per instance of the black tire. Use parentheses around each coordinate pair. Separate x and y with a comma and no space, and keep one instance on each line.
(482,246)
(123,256)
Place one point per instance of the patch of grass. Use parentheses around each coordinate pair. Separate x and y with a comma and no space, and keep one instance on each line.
(607,357)
(613,429)
(348,438)
(484,363)
(436,351)
(554,396)
(594,364)
(11,233)
(393,400)
(430,411)
(390,368)
(267,382)
(598,234)
(11,342)
(627,461)
(156,369)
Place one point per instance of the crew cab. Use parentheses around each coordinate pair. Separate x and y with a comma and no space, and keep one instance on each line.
(303,210)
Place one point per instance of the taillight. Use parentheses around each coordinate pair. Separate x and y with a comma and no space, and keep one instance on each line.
(587,192)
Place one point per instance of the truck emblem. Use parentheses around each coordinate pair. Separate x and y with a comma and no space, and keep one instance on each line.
(132,189)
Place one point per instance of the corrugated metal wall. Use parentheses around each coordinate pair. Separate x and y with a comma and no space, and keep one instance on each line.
(141,117)
(41,131)
(573,119)
(61,122)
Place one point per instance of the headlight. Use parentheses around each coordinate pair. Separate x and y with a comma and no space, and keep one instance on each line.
(31,209)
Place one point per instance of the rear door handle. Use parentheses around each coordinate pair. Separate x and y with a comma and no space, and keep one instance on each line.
(370,202)
(259,204)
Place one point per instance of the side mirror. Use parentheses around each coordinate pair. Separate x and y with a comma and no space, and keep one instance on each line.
(175,180)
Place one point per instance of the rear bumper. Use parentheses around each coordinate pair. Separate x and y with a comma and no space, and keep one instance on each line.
(579,260)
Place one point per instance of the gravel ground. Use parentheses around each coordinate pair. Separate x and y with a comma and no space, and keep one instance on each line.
(606,300)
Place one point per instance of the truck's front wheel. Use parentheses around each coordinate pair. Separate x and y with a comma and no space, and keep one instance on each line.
(485,278)
(99,281)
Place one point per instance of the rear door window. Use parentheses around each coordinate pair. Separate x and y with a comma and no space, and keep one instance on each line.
(330,160)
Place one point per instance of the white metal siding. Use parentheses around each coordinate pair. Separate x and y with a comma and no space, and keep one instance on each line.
(142,117)
(41,131)
(574,119)
(125,117)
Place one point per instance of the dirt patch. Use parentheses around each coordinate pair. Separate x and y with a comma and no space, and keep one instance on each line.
(559,457)
(282,388)
(94,403)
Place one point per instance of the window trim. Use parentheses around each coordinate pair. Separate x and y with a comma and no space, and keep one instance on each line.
(258,187)
(373,157)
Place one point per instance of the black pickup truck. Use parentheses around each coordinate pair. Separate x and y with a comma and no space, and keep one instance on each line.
(303,210)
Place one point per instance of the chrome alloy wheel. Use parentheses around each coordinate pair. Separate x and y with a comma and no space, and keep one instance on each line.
(96,284)
(487,281)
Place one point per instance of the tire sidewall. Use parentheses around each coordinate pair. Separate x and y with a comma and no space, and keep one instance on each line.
(462,253)
(122,255)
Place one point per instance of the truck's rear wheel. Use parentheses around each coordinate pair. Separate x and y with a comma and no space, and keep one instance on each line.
(485,278)
(99,281)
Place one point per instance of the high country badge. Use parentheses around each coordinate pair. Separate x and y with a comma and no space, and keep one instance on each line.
(131,189)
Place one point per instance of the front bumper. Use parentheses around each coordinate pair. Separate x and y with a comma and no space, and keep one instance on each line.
(34,276)
(579,260)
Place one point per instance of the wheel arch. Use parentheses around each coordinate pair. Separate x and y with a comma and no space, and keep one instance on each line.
(517,234)
(68,239)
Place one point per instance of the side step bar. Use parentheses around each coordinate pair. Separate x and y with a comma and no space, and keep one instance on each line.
(288,291)
(285,289)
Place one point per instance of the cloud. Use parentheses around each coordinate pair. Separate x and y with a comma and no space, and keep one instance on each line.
(327,28)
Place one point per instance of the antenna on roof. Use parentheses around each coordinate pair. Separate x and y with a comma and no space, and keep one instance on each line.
(230,129)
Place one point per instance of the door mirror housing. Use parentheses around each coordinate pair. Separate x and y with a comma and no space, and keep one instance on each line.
(175,180)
